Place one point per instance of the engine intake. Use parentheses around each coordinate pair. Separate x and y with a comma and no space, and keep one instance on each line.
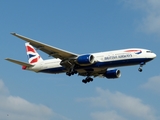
(111,74)
(85,59)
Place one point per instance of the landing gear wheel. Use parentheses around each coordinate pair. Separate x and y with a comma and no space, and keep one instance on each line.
(72,73)
(67,73)
(140,69)
(88,79)
(84,81)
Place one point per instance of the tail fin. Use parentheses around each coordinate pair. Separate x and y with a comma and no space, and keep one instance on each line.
(33,56)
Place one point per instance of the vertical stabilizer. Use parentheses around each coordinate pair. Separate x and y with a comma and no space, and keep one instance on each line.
(33,56)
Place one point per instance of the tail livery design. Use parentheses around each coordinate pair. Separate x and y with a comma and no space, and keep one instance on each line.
(33,56)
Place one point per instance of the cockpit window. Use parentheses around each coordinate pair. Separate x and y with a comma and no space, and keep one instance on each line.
(148,51)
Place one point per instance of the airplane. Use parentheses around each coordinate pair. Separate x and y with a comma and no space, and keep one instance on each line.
(100,64)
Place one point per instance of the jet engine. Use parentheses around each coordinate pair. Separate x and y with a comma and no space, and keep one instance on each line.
(111,74)
(85,59)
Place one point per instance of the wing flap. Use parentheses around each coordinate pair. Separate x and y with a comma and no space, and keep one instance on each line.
(19,62)
(51,51)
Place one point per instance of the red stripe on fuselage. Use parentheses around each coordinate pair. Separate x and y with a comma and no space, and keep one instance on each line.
(132,50)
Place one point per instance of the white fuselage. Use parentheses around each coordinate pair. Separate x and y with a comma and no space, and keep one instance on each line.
(110,59)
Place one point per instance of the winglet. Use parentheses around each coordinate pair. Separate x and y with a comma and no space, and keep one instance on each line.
(13,33)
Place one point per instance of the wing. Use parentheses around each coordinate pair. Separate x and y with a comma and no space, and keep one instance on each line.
(50,50)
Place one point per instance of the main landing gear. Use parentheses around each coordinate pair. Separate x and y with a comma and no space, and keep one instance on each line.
(140,68)
(71,73)
(87,79)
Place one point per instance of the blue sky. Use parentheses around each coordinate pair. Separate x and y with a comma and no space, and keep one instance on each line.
(81,27)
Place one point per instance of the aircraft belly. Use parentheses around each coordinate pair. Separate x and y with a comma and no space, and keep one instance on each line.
(98,66)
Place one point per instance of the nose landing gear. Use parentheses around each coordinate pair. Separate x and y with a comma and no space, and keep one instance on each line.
(140,68)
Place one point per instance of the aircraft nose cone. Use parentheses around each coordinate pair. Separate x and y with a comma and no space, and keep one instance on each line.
(154,55)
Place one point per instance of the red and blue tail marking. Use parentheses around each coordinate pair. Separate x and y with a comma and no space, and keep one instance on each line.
(33,56)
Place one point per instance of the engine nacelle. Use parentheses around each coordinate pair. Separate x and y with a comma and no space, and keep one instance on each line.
(111,74)
(85,59)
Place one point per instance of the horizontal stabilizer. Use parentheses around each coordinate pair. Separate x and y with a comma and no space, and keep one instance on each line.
(19,62)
